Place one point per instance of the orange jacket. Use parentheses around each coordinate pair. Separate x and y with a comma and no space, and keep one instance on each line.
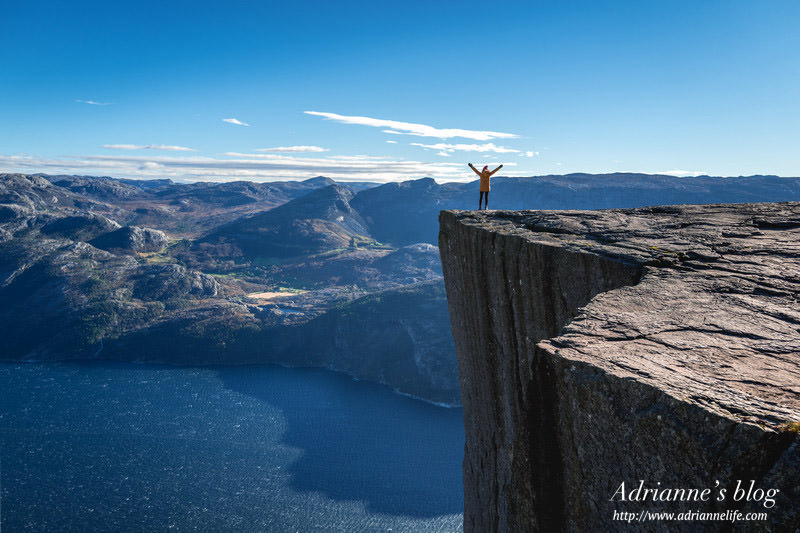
(485,177)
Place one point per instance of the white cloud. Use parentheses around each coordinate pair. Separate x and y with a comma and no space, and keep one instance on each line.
(410,128)
(254,167)
(293,149)
(235,121)
(392,142)
(148,147)
(483,148)
(92,102)
(360,157)
(682,173)
(255,156)
(276,156)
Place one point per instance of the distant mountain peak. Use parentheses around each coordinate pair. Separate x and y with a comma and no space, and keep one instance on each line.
(320,181)
(321,220)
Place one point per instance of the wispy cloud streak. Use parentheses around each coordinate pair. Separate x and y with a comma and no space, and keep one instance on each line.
(293,149)
(482,148)
(410,128)
(255,167)
(235,121)
(683,173)
(92,102)
(168,147)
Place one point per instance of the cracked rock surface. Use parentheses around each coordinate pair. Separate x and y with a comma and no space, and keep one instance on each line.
(595,347)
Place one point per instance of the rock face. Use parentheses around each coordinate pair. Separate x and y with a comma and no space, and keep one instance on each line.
(397,337)
(601,347)
(319,221)
(159,282)
(80,227)
(131,239)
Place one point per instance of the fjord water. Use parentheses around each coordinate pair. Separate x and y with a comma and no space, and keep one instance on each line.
(136,447)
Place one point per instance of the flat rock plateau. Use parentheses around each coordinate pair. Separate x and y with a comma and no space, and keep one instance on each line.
(657,344)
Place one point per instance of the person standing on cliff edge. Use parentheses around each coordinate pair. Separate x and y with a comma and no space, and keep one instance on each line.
(485,187)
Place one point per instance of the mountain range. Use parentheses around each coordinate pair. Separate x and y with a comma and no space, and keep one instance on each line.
(309,273)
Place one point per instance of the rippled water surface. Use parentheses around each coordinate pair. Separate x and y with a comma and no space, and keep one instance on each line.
(133,447)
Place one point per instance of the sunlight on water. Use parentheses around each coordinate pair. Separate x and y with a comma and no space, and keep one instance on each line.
(132,447)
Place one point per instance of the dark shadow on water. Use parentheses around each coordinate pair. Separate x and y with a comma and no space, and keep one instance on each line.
(360,441)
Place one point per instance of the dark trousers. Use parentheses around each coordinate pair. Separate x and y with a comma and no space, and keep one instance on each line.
(484,194)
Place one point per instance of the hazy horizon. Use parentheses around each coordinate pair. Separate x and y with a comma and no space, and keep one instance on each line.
(345,180)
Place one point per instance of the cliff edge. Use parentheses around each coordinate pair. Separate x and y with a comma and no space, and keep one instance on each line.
(655,346)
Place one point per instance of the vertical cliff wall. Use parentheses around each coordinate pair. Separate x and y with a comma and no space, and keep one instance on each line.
(595,348)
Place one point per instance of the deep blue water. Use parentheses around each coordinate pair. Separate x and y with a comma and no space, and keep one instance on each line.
(135,447)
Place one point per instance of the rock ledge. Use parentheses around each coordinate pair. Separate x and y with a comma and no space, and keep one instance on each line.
(658,344)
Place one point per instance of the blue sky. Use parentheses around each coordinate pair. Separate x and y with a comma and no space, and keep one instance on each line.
(399,90)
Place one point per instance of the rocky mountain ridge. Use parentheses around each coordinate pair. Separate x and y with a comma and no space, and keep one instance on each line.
(79,279)
(206,273)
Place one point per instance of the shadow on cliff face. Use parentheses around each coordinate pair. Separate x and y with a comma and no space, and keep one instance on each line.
(362,442)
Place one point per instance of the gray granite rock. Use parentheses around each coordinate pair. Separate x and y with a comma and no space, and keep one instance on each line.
(132,239)
(161,282)
(79,227)
(600,347)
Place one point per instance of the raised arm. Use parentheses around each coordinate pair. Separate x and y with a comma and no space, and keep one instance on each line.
(475,170)
(495,170)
